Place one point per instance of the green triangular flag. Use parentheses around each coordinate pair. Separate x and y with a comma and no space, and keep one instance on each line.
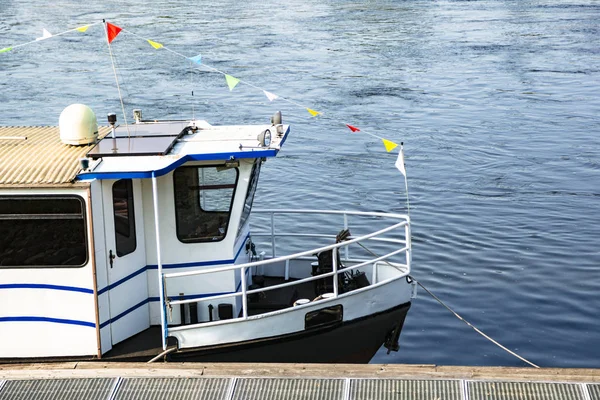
(231,81)
(4,50)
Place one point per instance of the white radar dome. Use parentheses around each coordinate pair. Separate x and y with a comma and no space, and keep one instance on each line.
(78,125)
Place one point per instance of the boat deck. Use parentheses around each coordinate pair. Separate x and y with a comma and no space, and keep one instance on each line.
(292,381)
(147,344)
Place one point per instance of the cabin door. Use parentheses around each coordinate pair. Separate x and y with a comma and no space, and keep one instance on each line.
(126,263)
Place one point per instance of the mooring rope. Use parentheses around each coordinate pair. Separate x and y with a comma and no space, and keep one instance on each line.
(457,315)
(472,326)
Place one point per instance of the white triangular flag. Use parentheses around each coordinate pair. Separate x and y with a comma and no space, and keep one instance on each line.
(400,162)
(270,96)
(45,34)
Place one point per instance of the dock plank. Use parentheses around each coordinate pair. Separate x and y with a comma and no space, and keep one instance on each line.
(524,391)
(173,389)
(288,389)
(404,389)
(57,389)
(594,391)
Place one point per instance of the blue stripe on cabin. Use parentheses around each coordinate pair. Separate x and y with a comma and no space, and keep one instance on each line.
(45,286)
(48,319)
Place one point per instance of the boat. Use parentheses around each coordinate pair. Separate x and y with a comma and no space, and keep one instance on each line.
(140,242)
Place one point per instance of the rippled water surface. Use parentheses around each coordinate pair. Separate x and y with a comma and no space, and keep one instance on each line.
(497,103)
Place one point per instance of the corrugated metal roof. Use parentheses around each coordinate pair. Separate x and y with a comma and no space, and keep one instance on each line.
(40,160)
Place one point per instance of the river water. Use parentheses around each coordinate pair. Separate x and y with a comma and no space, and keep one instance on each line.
(497,103)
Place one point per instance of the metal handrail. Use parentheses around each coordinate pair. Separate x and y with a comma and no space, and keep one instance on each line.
(302,255)
(283,258)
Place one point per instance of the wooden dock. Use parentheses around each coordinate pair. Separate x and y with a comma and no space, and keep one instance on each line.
(112,381)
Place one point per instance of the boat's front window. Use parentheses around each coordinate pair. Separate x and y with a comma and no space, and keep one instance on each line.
(250,194)
(203,200)
(42,231)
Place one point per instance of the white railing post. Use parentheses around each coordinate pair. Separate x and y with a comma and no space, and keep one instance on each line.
(244,298)
(161,293)
(273,234)
(287,270)
(335,268)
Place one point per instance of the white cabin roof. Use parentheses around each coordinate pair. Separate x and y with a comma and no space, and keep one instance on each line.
(36,157)
(156,148)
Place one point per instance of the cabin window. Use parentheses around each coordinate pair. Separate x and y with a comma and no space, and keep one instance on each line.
(42,231)
(203,201)
(250,194)
(125,240)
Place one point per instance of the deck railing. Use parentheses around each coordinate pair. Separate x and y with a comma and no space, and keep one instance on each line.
(402,225)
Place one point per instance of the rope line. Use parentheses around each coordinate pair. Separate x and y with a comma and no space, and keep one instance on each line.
(456,314)
(472,326)
(52,35)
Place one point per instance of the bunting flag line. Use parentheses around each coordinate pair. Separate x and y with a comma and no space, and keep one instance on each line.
(231,81)
(196,59)
(156,45)
(112,31)
(45,35)
(353,128)
(389,146)
(270,96)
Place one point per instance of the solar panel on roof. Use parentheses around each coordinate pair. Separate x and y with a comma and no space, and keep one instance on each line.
(151,129)
(133,146)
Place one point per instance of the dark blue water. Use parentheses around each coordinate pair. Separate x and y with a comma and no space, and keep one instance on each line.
(497,103)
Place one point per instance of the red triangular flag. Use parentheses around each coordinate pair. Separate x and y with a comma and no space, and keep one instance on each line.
(353,128)
(112,31)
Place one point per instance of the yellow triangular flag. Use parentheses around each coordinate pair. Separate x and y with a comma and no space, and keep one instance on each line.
(155,44)
(389,146)
(313,112)
(4,50)
(231,81)
(82,28)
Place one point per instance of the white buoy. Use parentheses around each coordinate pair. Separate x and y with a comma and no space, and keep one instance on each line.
(78,125)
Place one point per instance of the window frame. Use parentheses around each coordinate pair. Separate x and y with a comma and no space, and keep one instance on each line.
(52,216)
(130,218)
(229,212)
(250,194)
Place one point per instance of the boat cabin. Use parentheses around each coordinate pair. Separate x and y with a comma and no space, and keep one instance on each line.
(86,226)
(132,242)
